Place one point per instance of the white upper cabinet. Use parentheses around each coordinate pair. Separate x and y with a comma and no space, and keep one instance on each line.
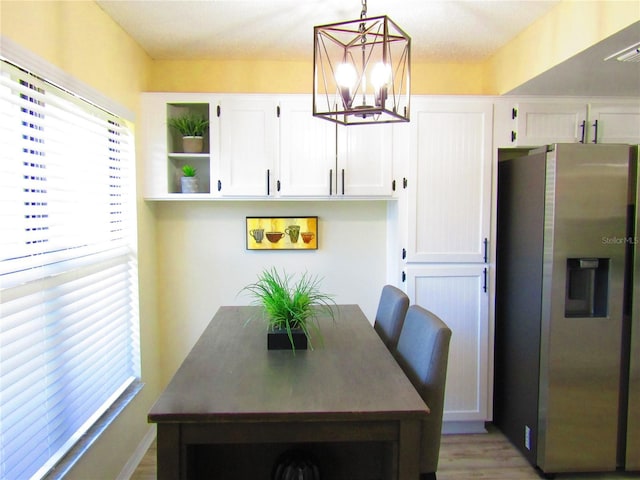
(248,137)
(365,163)
(614,123)
(307,149)
(449,187)
(545,120)
(545,123)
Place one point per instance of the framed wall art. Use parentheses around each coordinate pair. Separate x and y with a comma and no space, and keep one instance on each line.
(282,233)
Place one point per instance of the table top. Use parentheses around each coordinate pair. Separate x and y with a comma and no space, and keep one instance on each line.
(229,375)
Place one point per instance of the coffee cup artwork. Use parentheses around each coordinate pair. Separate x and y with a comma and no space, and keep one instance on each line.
(282,233)
(294,232)
(257,234)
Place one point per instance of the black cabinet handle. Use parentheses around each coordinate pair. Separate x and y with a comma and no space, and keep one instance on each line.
(405,182)
(595,131)
(219,185)
(268,182)
(218,110)
(582,127)
(513,135)
(514,113)
(393,186)
(343,181)
(404,253)
(278,185)
(484,280)
(486,248)
(404,277)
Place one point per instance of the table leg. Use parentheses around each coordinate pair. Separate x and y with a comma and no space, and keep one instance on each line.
(409,450)
(168,452)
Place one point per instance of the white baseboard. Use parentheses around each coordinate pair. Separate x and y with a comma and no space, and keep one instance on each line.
(133,462)
(454,428)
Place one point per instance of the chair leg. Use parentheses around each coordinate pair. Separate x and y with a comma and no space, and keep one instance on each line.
(428,476)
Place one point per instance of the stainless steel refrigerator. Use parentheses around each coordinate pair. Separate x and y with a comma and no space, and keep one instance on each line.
(566,393)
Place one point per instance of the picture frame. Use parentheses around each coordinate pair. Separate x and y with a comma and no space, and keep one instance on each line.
(282,233)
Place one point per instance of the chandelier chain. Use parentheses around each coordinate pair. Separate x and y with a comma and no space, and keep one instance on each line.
(363,13)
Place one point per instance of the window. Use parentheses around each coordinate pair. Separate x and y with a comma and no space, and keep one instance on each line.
(69,343)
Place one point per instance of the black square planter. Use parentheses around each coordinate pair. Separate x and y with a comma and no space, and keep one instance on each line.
(279,339)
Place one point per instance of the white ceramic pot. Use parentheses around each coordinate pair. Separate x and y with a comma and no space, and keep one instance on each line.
(189,184)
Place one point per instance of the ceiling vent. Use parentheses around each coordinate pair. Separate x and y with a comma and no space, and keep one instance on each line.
(629,54)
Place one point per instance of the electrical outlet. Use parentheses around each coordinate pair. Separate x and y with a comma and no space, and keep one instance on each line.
(527,437)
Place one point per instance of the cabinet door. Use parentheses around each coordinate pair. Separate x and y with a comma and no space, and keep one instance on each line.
(307,149)
(248,145)
(457,294)
(539,124)
(364,160)
(450,184)
(614,123)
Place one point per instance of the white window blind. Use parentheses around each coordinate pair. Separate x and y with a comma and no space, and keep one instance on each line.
(69,343)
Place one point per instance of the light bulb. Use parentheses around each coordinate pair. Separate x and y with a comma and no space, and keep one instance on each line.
(346,75)
(380,78)
(346,78)
(380,75)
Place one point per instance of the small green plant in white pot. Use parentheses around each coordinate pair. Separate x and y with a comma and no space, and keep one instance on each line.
(192,127)
(291,309)
(189,181)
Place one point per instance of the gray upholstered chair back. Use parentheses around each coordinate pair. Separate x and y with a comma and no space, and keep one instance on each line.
(392,309)
(423,353)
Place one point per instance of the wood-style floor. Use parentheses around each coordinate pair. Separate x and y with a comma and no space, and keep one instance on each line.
(483,456)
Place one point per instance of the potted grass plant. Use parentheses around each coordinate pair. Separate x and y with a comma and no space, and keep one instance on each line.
(192,128)
(291,308)
(188,181)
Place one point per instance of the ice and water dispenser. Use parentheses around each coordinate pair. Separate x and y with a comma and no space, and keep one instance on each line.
(587,287)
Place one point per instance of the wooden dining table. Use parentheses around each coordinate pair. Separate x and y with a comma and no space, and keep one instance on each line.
(234,407)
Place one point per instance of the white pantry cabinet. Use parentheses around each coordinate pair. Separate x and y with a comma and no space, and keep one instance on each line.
(458,294)
(444,213)
(449,184)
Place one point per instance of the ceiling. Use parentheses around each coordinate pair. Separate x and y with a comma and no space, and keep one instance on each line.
(457,31)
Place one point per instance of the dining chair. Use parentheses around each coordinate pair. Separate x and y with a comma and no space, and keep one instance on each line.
(423,353)
(392,309)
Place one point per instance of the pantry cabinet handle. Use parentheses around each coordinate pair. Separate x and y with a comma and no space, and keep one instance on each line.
(595,131)
(484,280)
(268,182)
(343,181)
(486,248)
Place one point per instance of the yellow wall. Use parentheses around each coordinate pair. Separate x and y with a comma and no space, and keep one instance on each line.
(81,39)
(234,76)
(565,31)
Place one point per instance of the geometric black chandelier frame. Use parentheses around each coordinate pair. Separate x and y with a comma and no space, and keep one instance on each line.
(362,71)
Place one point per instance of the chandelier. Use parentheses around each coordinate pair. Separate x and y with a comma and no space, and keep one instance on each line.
(361,71)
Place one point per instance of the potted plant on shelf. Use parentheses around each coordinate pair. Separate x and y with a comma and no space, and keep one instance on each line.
(192,128)
(189,182)
(291,309)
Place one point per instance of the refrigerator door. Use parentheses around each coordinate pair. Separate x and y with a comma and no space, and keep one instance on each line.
(632,457)
(582,307)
